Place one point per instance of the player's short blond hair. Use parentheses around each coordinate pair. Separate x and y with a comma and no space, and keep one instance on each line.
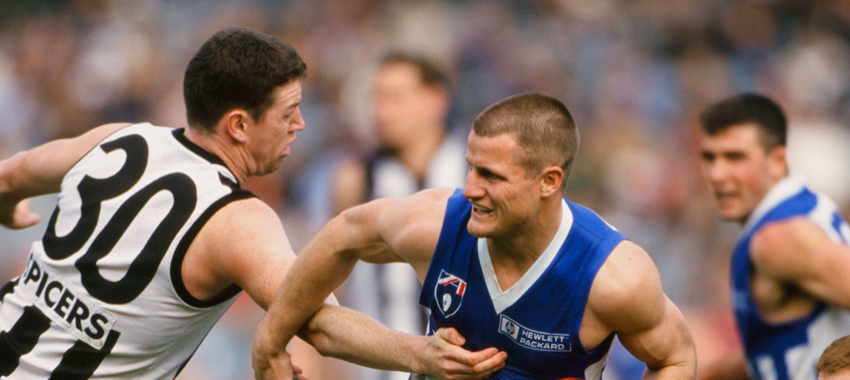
(542,126)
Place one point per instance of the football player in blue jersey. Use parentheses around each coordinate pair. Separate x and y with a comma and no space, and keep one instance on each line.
(834,363)
(506,261)
(791,265)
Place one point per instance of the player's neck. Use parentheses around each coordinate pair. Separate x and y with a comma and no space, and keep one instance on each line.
(213,143)
(514,255)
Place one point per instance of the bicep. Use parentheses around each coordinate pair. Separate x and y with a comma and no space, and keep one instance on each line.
(243,244)
(411,227)
(628,299)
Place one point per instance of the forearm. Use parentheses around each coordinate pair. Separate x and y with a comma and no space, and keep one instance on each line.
(40,170)
(351,336)
(311,279)
(20,178)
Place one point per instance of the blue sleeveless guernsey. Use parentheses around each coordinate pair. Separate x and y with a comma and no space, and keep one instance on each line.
(537,320)
(786,351)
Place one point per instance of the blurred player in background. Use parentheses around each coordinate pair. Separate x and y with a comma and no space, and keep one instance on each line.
(507,261)
(411,101)
(791,266)
(153,237)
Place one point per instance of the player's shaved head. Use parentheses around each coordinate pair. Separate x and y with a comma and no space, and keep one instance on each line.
(542,126)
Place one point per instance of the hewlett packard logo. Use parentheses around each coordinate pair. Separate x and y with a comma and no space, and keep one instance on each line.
(535,340)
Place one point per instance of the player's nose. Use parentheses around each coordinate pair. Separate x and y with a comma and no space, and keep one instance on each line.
(298,123)
(473,190)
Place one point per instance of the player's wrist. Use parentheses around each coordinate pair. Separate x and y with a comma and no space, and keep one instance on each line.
(419,349)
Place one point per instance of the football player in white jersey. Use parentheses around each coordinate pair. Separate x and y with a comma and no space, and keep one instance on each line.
(153,237)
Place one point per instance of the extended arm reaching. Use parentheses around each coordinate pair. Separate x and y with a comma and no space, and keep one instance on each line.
(40,171)
(383,230)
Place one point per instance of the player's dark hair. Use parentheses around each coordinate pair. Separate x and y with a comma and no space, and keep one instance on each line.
(542,125)
(429,73)
(835,358)
(237,68)
(748,108)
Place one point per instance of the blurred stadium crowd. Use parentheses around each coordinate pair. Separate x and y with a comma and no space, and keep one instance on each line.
(635,74)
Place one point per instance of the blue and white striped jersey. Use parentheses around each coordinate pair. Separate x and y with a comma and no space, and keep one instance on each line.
(786,351)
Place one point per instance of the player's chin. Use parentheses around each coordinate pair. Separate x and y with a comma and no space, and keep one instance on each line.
(730,215)
(479,229)
(475,229)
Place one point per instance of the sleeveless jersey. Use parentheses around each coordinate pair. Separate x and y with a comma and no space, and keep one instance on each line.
(537,320)
(786,351)
(102,295)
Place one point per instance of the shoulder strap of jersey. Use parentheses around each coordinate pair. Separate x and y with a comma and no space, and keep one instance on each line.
(458,211)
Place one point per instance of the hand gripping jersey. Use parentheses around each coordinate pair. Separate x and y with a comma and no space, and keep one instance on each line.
(537,320)
(102,295)
(787,351)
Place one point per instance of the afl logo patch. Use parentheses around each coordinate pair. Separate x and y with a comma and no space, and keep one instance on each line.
(448,293)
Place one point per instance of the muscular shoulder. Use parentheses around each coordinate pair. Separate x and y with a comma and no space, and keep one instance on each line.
(778,248)
(627,294)
(247,221)
(244,243)
(774,238)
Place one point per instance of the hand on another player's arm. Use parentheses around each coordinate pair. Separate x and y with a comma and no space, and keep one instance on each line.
(352,336)
(628,299)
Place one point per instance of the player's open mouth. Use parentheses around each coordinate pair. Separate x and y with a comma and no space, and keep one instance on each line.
(481,210)
(723,195)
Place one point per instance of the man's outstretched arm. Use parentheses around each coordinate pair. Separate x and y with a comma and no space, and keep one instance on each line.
(354,337)
(380,231)
(40,171)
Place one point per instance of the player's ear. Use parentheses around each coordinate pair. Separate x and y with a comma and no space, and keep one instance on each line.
(777,166)
(236,123)
(550,181)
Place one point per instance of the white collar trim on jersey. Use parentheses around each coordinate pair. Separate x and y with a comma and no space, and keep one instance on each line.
(782,190)
(503,300)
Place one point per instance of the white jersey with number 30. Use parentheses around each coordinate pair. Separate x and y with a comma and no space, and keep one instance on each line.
(102,295)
